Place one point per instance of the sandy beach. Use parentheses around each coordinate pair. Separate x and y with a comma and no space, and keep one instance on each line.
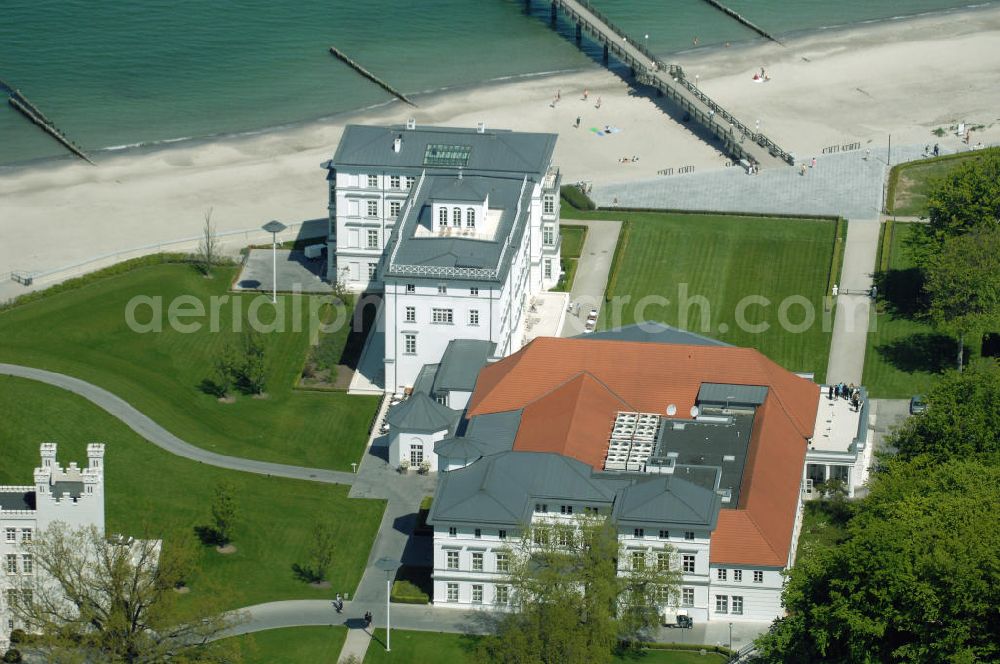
(904,78)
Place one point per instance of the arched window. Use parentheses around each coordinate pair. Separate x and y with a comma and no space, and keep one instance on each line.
(442,216)
(456,217)
(470,218)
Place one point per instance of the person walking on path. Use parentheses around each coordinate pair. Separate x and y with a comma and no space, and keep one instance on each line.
(813,165)
(368,619)
(339,603)
(803,171)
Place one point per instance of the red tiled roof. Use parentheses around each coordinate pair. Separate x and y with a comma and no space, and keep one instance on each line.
(570,390)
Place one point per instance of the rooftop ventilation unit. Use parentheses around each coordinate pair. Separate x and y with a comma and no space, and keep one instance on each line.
(481,128)
(411,123)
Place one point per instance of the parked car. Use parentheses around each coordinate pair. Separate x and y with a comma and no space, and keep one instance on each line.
(917,404)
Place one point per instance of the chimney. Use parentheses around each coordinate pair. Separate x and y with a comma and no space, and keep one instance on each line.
(481,128)
(397,143)
(411,123)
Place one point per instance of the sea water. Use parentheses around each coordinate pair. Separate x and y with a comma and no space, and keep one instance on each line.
(117,74)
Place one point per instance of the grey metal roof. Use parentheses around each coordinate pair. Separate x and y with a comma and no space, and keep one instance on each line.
(421,413)
(502,489)
(434,256)
(654,332)
(17,500)
(493,151)
(666,498)
(734,395)
(73,489)
(424,382)
(468,189)
(460,364)
(483,435)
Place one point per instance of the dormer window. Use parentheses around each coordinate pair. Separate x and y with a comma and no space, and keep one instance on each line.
(456,217)
(470,218)
(443,216)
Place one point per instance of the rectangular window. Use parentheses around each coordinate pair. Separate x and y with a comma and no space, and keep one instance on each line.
(474,291)
(410,181)
(372,270)
(664,534)
(663,594)
(452,560)
(474,317)
(502,534)
(394,182)
(758,576)
(687,563)
(566,509)
(687,596)
(477,593)
(442,399)
(689,535)
(411,289)
(442,289)
(372,180)
(452,531)
(479,533)
(662,561)
(502,595)
(565,537)
(26,564)
(477,562)
(372,238)
(452,592)
(11,534)
(503,562)
(720,574)
(411,314)
(372,208)
(737,605)
(12,563)
(547,268)
(738,575)
(394,207)
(442,316)
(638,560)
(26,534)
(548,235)
(722,604)
(416,455)
(410,344)
(548,205)
(639,533)
(541,508)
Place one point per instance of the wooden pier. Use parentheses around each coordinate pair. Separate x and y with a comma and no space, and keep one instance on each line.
(739,140)
(340,55)
(726,10)
(21,103)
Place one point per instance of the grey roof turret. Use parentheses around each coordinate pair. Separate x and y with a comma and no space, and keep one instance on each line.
(422,414)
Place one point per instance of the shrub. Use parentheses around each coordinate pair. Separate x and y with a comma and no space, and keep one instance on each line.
(572,195)
(18,636)
(12,655)
(405,592)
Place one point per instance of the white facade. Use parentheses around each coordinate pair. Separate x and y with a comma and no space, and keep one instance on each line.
(72,495)
(839,449)
(414,449)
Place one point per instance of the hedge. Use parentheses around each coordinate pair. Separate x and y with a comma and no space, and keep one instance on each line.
(616,259)
(405,592)
(837,256)
(579,200)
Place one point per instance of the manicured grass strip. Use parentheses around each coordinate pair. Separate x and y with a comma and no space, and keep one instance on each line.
(150,491)
(905,353)
(573,238)
(83,332)
(568,266)
(910,183)
(307,645)
(434,647)
(696,271)
(837,261)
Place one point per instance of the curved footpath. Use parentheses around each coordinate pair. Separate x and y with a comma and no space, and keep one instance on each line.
(165,440)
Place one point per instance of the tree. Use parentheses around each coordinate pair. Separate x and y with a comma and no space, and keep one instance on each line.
(225,370)
(963,281)
(962,418)
(917,579)
(569,602)
(95,600)
(321,551)
(252,373)
(966,198)
(224,512)
(208,247)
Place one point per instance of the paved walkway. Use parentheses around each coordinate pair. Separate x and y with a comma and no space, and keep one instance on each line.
(591,272)
(162,438)
(369,378)
(853,305)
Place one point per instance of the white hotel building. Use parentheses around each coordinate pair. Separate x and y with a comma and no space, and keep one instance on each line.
(456,228)
(73,496)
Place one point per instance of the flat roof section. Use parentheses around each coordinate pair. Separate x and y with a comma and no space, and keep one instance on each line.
(836,424)
(716,441)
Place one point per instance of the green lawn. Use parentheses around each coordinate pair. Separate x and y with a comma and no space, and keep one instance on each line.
(824,524)
(572,245)
(725,259)
(148,490)
(308,645)
(905,354)
(82,332)
(433,647)
(914,180)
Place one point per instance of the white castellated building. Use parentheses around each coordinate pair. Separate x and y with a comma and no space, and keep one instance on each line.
(72,495)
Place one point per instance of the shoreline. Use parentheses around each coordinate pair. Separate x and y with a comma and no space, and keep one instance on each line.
(743,48)
(853,85)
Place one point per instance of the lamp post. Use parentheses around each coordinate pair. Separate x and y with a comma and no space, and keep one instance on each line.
(730,636)
(389,566)
(274,227)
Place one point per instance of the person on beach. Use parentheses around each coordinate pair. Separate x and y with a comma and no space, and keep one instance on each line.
(577,125)
(598,104)
(558,95)
(586,93)
(813,164)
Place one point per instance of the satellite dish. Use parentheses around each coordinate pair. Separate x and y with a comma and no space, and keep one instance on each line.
(694,411)
(671,410)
